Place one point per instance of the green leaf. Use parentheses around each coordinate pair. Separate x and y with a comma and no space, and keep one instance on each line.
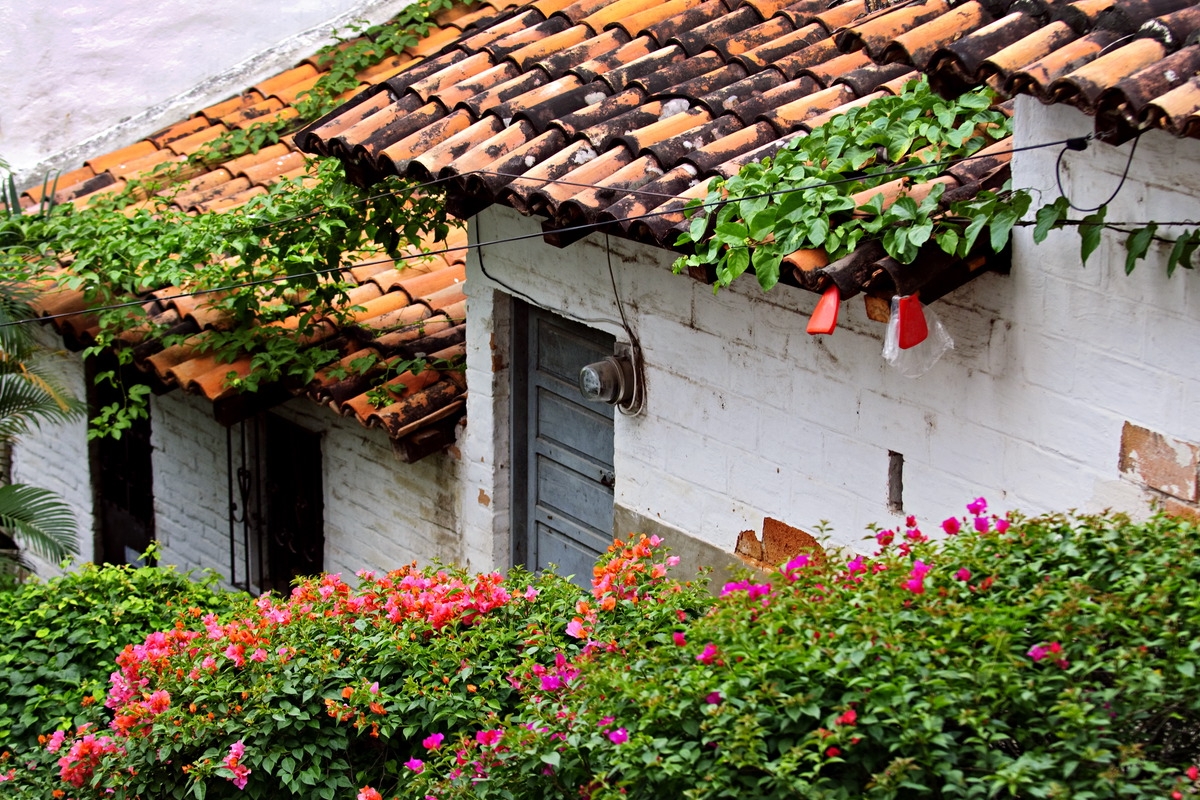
(1049,217)
(1181,253)
(1137,244)
(1090,228)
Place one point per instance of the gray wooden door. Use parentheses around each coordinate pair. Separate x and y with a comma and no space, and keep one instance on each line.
(563,447)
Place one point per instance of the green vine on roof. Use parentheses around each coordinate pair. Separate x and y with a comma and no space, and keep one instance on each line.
(270,271)
(816,194)
(342,61)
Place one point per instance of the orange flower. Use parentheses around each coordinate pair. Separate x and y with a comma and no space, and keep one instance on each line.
(376,708)
(347,692)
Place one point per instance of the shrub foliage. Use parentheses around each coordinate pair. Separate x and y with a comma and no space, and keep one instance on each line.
(1045,657)
(59,639)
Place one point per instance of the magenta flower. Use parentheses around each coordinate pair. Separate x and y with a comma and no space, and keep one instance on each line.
(796,563)
(56,741)
(713,698)
(433,741)
(963,574)
(982,524)
(489,738)
(576,629)
(856,566)
(619,736)
(884,538)
(606,721)
(369,793)
(1037,652)
(1002,525)
(708,655)
(679,639)
(951,526)
(416,765)
(259,655)
(977,506)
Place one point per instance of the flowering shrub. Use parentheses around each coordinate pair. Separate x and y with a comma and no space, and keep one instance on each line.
(336,690)
(1046,657)
(58,640)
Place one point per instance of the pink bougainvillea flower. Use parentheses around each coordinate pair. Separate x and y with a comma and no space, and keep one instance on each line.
(963,574)
(672,561)
(856,565)
(951,526)
(655,541)
(848,718)
(1037,652)
(708,655)
(577,629)
(233,762)
(489,738)
(1055,647)
(606,721)
(433,741)
(1193,773)
(530,593)
(416,765)
(679,639)
(982,524)
(56,741)
(374,688)
(884,538)
(619,736)
(259,655)
(158,702)
(977,506)
(367,793)
(1002,525)
(713,698)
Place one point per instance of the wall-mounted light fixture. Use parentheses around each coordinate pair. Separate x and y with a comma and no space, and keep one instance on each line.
(616,380)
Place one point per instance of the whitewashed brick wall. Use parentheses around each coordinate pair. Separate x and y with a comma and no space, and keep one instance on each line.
(747,416)
(55,457)
(379,513)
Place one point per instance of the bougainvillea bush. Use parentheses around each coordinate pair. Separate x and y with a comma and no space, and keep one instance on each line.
(58,639)
(334,688)
(1048,657)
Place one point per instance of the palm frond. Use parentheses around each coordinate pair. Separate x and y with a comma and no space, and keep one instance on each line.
(38,520)
(25,404)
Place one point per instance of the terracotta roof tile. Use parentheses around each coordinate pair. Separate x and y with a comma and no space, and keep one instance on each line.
(121,157)
(641,103)
(429,321)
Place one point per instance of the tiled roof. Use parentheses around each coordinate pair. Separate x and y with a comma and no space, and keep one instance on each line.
(614,113)
(416,307)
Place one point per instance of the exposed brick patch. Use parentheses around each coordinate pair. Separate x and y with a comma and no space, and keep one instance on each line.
(780,543)
(1160,462)
(1185,511)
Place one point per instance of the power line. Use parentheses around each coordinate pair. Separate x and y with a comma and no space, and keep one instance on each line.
(1073,143)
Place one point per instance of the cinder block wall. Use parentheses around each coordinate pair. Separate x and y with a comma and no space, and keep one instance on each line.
(748,417)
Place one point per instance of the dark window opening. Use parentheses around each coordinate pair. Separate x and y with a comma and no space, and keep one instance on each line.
(122,475)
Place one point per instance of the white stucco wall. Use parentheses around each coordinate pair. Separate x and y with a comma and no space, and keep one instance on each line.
(89,76)
(379,513)
(749,417)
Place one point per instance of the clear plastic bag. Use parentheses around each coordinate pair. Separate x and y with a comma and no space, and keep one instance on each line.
(905,324)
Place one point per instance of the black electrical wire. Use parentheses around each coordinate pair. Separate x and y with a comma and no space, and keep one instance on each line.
(1070,145)
(1074,143)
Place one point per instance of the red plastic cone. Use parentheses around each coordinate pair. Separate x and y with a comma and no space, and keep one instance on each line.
(824,316)
(913,329)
